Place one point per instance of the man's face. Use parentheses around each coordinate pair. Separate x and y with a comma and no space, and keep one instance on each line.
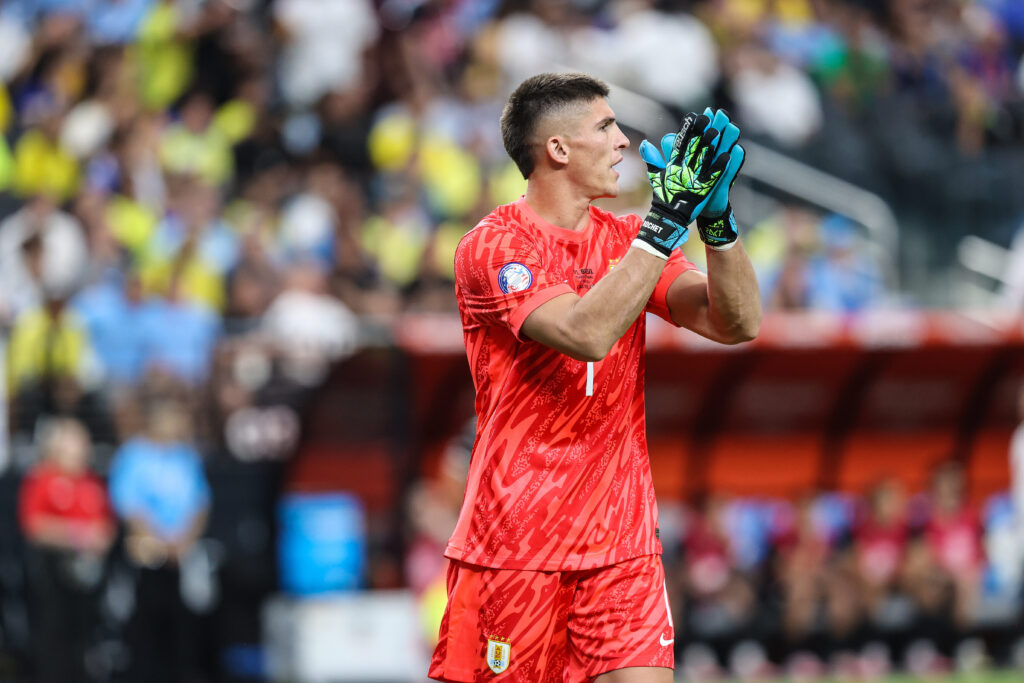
(594,148)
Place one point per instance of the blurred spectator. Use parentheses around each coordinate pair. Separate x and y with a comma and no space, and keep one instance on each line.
(116,21)
(160,493)
(41,248)
(881,538)
(196,145)
(178,335)
(680,37)
(41,164)
(774,97)
(944,563)
(69,528)
(843,278)
(310,221)
(323,46)
(309,328)
(821,607)
(718,597)
(51,369)
(110,311)
(193,244)
(808,262)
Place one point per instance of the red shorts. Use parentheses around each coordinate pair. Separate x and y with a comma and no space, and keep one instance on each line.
(543,627)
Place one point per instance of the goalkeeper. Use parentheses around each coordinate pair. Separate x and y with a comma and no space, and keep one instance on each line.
(555,567)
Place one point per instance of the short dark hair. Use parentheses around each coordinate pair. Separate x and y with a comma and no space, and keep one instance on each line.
(533,99)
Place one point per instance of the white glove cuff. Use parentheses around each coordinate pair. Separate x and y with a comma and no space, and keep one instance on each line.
(640,244)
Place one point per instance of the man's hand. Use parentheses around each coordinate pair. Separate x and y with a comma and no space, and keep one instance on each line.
(716,224)
(682,175)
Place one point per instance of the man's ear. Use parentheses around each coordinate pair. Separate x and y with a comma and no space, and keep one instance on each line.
(557,150)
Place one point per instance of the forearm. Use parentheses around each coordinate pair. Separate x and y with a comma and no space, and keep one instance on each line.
(614,303)
(734,298)
(586,328)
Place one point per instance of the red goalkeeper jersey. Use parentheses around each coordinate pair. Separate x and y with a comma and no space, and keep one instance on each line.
(559,478)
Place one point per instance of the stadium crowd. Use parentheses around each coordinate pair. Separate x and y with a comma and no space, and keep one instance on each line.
(204,204)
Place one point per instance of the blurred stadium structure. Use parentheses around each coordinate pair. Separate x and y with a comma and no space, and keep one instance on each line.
(243,212)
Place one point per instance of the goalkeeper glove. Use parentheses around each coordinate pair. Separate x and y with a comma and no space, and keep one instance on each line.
(716,224)
(682,176)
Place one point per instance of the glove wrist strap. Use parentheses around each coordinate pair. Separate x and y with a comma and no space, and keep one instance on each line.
(718,233)
(649,248)
(660,234)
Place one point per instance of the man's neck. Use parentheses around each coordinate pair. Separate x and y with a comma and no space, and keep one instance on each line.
(558,205)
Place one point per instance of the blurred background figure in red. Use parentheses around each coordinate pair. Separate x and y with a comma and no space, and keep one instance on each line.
(69,529)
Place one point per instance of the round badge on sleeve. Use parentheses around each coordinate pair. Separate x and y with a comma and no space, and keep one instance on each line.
(514,277)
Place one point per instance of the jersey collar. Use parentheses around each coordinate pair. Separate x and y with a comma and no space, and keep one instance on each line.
(563,234)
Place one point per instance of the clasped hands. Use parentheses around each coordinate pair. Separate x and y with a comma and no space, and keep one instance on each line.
(691,176)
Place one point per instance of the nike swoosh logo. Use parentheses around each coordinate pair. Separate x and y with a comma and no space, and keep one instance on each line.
(665,643)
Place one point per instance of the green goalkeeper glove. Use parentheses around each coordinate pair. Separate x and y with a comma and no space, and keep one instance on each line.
(682,176)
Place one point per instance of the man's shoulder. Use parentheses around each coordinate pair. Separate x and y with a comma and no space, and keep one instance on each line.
(502,227)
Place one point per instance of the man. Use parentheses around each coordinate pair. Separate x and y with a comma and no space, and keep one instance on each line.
(555,570)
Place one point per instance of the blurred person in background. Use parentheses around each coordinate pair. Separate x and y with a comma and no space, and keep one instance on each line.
(953,532)
(821,605)
(110,311)
(309,328)
(945,561)
(178,334)
(881,537)
(719,598)
(41,248)
(52,369)
(161,495)
(842,277)
(559,514)
(69,528)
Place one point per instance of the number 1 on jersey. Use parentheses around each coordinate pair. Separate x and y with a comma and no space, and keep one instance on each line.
(590,378)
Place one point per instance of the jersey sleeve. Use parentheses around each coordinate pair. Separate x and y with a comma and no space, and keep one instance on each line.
(501,279)
(658,303)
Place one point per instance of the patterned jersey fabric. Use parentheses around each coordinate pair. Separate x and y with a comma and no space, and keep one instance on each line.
(559,479)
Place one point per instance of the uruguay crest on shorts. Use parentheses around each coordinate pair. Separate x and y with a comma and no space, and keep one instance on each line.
(499,654)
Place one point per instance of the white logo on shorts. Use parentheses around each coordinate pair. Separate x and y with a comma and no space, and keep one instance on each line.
(499,654)
(668,612)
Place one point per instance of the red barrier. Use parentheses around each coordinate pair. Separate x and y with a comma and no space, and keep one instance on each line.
(816,401)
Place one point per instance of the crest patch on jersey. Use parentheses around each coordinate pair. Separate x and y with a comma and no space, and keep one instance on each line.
(514,277)
(499,654)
